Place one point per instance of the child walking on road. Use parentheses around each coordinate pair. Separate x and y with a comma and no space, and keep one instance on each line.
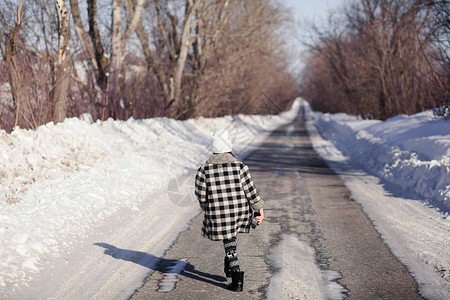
(227,195)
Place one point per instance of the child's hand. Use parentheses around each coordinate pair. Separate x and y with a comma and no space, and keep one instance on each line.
(261,217)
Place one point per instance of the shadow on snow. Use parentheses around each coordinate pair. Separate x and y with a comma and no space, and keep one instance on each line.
(162,265)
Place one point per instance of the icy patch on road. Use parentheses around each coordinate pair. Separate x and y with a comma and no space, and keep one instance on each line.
(171,276)
(298,276)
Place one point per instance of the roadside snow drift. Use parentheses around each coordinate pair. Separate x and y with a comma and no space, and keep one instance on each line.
(412,152)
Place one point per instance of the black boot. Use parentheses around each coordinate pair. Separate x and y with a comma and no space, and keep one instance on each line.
(237,281)
(226,267)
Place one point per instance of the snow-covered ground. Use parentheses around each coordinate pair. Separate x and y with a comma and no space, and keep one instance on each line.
(399,170)
(70,191)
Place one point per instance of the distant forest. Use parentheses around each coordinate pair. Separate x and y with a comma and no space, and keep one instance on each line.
(381,58)
(141,59)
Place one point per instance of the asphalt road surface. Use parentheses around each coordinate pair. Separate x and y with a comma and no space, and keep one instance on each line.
(303,197)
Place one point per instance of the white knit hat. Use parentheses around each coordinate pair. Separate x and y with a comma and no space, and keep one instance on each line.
(221,141)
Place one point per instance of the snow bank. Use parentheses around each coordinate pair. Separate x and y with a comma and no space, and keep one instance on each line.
(412,152)
(60,181)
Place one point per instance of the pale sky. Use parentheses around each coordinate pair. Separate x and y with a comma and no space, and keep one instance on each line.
(306,12)
(312,9)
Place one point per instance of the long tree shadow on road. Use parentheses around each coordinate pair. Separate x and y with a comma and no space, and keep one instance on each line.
(165,266)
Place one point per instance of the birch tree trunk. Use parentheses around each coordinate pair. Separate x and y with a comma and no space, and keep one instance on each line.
(63,63)
(116,59)
(186,42)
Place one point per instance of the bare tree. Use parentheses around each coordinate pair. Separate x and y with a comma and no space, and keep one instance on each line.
(378,65)
(108,70)
(241,52)
(190,52)
(118,43)
(185,44)
(177,38)
(203,57)
(94,56)
(85,41)
(439,30)
(63,63)
(11,54)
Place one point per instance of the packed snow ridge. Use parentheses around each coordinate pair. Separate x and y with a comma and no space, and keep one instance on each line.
(412,152)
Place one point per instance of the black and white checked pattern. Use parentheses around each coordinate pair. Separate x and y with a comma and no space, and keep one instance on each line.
(226,192)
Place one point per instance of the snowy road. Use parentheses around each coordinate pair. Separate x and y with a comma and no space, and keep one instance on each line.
(307,204)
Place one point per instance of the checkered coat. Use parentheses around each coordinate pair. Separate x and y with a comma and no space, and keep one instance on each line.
(225,191)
